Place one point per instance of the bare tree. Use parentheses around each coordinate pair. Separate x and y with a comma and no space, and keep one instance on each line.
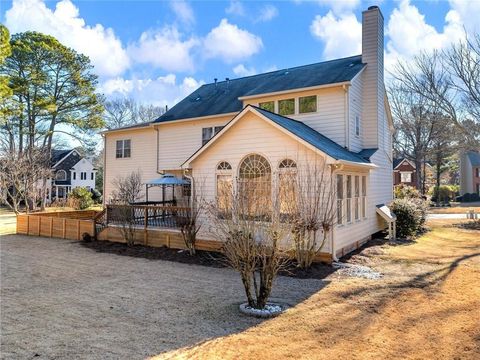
(251,237)
(125,111)
(312,209)
(128,190)
(190,221)
(21,175)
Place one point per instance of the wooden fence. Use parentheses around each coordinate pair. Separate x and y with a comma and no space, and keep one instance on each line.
(59,224)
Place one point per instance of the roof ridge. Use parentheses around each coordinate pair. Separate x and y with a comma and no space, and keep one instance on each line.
(280,70)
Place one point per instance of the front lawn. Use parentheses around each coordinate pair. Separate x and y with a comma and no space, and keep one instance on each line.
(425,307)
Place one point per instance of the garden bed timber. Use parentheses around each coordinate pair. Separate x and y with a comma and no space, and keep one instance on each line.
(202,257)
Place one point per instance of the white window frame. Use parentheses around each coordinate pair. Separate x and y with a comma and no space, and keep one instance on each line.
(403,173)
(308,112)
(120,152)
(364,196)
(340,201)
(61,171)
(214,131)
(357,125)
(356,194)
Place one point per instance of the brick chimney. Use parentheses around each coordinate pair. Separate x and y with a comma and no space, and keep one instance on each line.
(373,87)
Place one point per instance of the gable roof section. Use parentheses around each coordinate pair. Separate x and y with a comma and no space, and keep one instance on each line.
(223,97)
(398,162)
(59,154)
(297,129)
(474,158)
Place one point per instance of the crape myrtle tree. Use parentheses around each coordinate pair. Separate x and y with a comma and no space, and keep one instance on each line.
(247,220)
(128,190)
(53,93)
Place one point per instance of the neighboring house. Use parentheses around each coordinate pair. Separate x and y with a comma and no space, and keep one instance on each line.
(337,110)
(70,170)
(404,173)
(470,173)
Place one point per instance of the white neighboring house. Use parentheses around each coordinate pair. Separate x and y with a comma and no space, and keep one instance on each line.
(336,109)
(70,170)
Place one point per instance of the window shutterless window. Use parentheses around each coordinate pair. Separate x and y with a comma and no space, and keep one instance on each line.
(74,176)
(339,199)
(268,105)
(123,149)
(209,132)
(349,198)
(364,196)
(307,104)
(286,107)
(91,176)
(357,197)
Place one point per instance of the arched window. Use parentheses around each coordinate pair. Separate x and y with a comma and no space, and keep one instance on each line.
(287,177)
(61,175)
(224,166)
(224,188)
(255,186)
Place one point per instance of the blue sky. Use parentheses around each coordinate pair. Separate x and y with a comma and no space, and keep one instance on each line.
(159,51)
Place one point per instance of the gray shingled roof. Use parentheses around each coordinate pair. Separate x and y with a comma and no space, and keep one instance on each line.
(58,154)
(313,137)
(474,158)
(222,97)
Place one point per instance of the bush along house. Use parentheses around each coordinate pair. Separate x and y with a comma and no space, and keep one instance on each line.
(247,132)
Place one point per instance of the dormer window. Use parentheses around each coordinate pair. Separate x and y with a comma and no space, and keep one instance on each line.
(268,105)
(286,107)
(307,104)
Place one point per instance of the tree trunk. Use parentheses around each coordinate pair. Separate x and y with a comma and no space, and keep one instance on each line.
(437,181)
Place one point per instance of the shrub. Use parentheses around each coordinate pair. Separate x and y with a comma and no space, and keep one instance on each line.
(444,193)
(411,216)
(82,198)
(406,192)
(468,197)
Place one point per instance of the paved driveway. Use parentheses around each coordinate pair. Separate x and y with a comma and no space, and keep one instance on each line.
(60,300)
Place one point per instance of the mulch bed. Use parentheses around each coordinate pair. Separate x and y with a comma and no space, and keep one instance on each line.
(203,258)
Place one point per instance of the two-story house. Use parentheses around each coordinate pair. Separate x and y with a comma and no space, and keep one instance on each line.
(70,170)
(470,173)
(253,126)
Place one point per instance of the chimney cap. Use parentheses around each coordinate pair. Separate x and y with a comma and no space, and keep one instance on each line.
(373,7)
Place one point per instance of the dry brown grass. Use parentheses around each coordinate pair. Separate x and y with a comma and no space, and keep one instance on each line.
(426,307)
(455,209)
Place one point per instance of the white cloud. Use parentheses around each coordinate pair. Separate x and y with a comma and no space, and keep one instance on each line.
(235,8)
(339,7)
(230,43)
(341,35)
(164,49)
(241,70)
(468,12)
(99,43)
(267,13)
(183,11)
(161,91)
(409,34)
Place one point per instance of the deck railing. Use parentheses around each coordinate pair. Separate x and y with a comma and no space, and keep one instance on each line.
(148,216)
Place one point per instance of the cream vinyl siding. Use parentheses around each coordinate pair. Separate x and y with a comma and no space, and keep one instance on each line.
(356,108)
(179,140)
(143,158)
(239,141)
(329,119)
